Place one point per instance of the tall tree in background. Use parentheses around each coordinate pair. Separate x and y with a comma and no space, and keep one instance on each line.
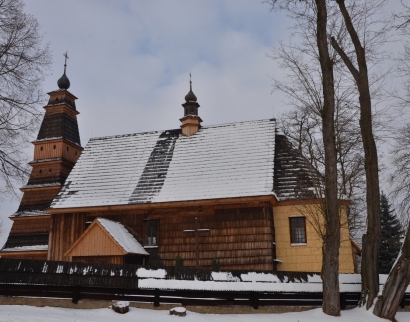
(355,42)
(23,61)
(314,14)
(392,233)
(354,56)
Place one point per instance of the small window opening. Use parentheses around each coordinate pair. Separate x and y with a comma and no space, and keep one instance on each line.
(297,230)
(75,152)
(54,146)
(41,148)
(67,148)
(40,171)
(152,233)
(49,170)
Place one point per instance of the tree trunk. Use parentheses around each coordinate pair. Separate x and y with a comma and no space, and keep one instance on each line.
(396,284)
(331,242)
(371,240)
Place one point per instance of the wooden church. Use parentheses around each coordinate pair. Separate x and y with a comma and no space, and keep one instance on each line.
(232,195)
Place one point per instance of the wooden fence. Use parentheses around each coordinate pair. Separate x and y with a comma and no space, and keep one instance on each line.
(99,281)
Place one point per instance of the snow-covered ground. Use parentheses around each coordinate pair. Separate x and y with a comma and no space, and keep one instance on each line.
(17,313)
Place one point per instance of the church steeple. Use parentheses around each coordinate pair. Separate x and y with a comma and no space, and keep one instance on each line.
(56,151)
(191,122)
(56,148)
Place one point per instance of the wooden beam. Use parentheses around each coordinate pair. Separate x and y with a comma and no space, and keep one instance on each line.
(192,203)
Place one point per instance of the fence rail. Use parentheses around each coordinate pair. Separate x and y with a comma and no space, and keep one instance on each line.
(77,281)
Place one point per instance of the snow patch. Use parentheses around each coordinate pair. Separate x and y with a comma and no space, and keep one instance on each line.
(122,236)
(151,273)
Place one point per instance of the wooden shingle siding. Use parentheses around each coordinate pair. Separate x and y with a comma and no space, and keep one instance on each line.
(240,235)
(59,125)
(41,225)
(38,199)
(293,175)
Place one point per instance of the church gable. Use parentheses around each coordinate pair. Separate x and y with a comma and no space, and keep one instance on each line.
(105,238)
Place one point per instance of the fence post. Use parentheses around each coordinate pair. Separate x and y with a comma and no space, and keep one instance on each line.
(254,299)
(156,297)
(342,300)
(76,294)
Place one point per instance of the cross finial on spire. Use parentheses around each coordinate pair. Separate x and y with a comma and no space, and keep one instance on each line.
(65,61)
(190,81)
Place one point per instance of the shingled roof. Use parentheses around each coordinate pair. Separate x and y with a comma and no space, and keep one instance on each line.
(222,161)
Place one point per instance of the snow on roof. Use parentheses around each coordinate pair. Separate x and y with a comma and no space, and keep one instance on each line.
(30,213)
(25,248)
(122,236)
(223,161)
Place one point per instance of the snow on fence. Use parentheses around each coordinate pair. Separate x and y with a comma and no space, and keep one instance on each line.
(187,286)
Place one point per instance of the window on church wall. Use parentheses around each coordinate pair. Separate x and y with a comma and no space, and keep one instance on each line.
(151,233)
(297,230)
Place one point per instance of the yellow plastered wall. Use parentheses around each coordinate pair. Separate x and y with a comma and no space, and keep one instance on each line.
(307,258)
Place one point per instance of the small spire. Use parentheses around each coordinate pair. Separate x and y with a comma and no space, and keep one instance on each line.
(190,97)
(64,82)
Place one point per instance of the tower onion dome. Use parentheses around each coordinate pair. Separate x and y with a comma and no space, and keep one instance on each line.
(63,82)
(190,97)
(191,105)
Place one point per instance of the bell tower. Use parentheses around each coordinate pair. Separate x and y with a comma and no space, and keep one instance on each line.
(56,148)
(56,151)
(191,122)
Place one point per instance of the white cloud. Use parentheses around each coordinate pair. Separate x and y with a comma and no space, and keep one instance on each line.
(129,61)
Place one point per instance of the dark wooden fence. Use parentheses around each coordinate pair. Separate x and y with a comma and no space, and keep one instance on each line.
(100,281)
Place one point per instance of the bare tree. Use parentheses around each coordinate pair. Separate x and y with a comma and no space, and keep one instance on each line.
(315,15)
(23,61)
(355,52)
(356,39)
(303,124)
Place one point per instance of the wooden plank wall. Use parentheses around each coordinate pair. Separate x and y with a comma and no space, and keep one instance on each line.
(119,260)
(241,235)
(88,247)
(65,229)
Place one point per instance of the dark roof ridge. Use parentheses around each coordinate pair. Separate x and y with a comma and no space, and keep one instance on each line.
(169,130)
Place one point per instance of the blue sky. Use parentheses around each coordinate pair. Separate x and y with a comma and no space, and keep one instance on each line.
(129,62)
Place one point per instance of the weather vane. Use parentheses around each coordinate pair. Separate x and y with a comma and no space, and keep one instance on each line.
(190,81)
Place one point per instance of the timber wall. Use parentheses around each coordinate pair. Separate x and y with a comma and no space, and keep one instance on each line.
(240,236)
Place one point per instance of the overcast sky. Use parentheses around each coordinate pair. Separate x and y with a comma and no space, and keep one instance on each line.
(129,62)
